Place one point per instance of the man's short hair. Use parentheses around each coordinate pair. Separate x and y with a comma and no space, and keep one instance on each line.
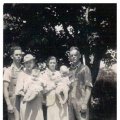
(75,48)
(12,49)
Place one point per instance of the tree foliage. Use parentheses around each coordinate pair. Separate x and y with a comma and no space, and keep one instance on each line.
(51,29)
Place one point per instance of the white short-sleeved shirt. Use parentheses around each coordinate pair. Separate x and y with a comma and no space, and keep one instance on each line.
(11,73)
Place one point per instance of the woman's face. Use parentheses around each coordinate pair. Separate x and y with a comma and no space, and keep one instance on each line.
(52,64)
(29,64)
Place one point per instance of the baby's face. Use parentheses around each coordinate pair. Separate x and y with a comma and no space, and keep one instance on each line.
(35,73)
(64,73)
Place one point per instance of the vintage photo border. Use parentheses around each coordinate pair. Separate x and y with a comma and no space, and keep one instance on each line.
(59,1)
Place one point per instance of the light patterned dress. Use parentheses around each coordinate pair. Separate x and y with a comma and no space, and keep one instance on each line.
(54,108)
(31,110)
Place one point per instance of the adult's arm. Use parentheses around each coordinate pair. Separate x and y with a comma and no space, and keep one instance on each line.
(88,87)
(6,95)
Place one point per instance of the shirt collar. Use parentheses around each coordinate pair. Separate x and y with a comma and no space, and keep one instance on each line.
(14,67)
(49,71)
(76,66)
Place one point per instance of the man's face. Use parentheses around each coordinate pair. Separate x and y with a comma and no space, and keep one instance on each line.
(74,56)
(17,56)
(52,64)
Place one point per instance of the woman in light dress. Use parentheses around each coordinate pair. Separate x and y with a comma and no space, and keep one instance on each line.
(53,78)
(29,91)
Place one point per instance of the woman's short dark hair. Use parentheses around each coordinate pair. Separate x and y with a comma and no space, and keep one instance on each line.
(51,58)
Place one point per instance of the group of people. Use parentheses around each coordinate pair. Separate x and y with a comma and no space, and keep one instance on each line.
(65,92)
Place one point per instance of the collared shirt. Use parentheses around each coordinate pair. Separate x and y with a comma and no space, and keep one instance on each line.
(80,76)
(10,75)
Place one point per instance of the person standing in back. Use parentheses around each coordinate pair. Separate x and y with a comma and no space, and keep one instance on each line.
(9,81)
(80,88)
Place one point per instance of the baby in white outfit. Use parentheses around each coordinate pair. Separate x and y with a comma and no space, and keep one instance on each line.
(63,86)
(34,87)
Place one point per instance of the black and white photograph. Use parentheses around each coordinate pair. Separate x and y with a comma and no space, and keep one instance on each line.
(59,61)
